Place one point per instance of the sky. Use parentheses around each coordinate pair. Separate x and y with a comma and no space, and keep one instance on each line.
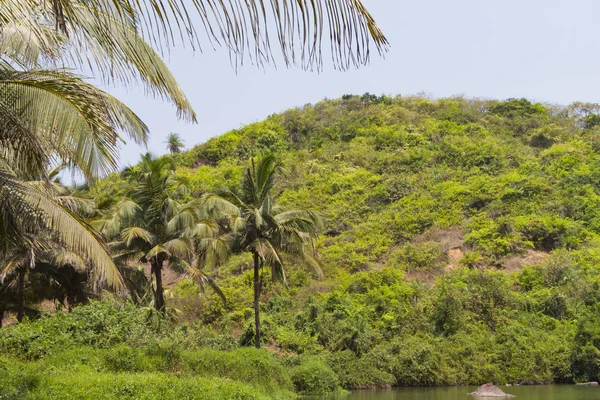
(544,50)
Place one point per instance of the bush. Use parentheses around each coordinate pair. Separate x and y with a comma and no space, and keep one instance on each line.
(253,366)
(313,376)
(358,373)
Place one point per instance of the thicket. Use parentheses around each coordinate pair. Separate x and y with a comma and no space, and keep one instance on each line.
(461,247)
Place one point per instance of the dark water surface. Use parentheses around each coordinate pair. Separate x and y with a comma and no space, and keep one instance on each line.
(549,392)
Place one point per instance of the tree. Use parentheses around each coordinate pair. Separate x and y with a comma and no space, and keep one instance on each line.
(48,114)
(260,227)
(45,116)
(155,225)
(174,143)
(39,251)
(62,275)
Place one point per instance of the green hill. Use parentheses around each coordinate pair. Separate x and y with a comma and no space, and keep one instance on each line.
(462,241)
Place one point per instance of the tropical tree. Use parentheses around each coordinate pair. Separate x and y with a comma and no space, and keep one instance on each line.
(262,228)
(38,248)
(154,225)
(47,116)
(174,143)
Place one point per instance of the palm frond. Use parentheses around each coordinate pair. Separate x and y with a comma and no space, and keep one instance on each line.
(214,205)
(128,235)
(303,220)
(245,28)
(114,45)
(212,252)
(179,247)
(155,251)
(78,122)
(60,257)
(29,46)
(267,252)
(204,280)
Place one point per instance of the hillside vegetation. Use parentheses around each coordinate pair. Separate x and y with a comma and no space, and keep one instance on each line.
(461,246)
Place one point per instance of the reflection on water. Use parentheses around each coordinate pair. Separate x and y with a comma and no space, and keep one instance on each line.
(549,392)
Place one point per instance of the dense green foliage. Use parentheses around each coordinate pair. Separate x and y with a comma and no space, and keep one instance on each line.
(462,246)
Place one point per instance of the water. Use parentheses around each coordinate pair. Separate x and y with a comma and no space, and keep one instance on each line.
(549,392)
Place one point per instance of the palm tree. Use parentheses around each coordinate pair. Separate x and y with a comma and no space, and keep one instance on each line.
(38,248)
(47,116)
(174,143)
(155,226)
(262,228)
(245,28)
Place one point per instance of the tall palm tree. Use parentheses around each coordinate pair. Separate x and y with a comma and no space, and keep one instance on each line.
(174,143)
(260,227)
(155,226)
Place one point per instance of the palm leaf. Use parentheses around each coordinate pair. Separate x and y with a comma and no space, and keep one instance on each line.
(204,279)
(128,235)
(179,247)
(245,28)
(78,122)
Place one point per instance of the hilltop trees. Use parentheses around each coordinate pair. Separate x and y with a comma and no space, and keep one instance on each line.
(174,143)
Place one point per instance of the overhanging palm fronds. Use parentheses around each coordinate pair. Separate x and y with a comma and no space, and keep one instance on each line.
(245,28)
(48,114)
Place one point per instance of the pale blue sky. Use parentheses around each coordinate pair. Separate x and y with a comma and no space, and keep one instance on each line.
(545,50)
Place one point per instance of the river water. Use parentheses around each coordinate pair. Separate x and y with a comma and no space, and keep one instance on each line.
(548,392)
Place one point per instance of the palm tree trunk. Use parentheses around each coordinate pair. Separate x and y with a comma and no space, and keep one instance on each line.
(159,296)
(20,294)
(1,317)
(256,301)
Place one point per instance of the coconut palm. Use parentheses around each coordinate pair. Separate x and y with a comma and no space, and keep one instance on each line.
(155,226)
(174,143)
(260,227)
(46,116)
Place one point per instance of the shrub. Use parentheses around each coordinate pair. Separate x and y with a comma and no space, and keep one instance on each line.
(313,376)
(253,366)
(358,373)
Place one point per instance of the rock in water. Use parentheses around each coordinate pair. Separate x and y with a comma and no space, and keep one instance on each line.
(489,390)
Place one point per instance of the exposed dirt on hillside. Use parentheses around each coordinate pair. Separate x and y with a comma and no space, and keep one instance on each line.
(448,238)
(530,257)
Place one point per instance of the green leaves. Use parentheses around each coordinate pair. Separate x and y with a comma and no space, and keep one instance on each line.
(257,225)
(49,114)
